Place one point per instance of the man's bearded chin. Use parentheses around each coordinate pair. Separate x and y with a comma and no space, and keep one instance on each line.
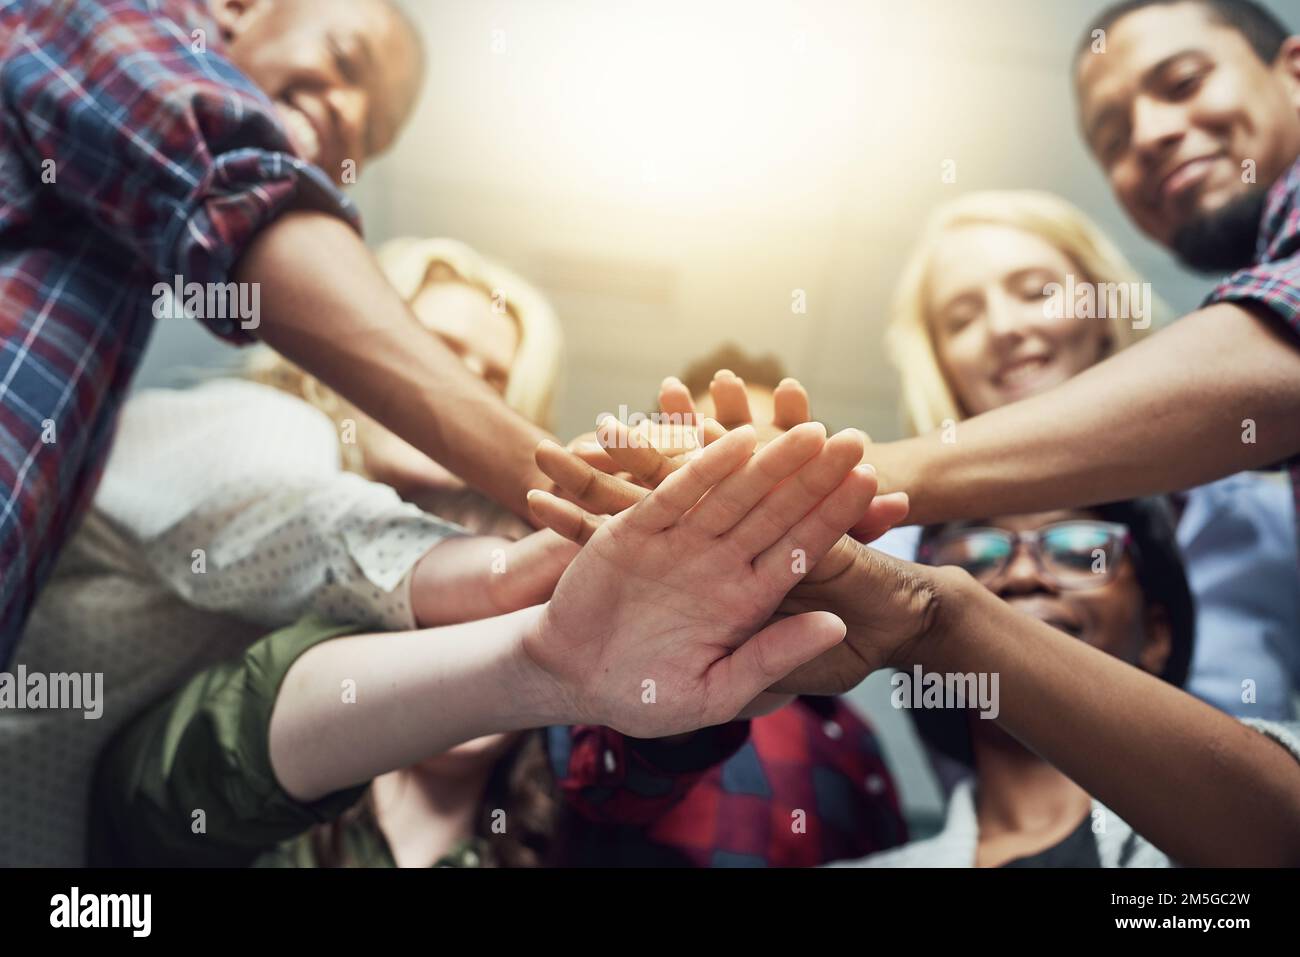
(1225,239)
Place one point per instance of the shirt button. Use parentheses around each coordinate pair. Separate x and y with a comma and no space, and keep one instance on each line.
(611,763)
(832,730)
(875,784)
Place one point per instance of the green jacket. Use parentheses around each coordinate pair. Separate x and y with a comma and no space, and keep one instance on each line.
(188,782)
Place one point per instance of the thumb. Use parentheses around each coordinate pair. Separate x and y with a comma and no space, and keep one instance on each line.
(884,512)
(769,656)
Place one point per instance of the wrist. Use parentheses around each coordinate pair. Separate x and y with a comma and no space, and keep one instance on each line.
(450,583)
(902,466)
(540,698)
(943,597)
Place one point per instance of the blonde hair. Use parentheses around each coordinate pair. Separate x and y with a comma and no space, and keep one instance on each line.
(408,263)
(927,398)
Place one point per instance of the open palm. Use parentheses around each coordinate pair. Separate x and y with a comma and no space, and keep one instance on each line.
(659,623)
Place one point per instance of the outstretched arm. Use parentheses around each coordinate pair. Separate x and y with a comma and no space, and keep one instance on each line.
(897,614)
(1169,413)
(658,627)
(1197,783)
(327,307)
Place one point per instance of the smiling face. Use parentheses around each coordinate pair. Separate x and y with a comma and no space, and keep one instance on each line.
(468,322)
(1112,617)
(343,74)
(484,337)
(1179,109)
(994,336)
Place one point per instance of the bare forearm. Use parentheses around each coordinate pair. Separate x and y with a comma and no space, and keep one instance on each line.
(353,708)
(1167,414)
(1200,785)
(327,307)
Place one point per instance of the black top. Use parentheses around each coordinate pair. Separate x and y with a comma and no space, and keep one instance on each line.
(1077,849)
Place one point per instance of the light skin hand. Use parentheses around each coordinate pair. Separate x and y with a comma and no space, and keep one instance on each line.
(467,578)
(731,403)
(727,392)
(849,581)
(790,404)
(692,577)
(676,589)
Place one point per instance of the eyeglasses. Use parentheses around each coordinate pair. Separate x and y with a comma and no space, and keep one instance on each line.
(1070,555)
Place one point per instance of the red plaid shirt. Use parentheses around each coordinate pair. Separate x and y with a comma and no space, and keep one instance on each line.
(802,786)
(131,152)
(1274,280)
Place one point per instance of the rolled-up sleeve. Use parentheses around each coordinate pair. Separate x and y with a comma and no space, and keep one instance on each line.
(1274,286)
(131,112)
(1273,281)
(189,782)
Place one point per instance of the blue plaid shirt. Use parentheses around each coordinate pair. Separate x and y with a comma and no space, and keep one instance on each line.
(131,152)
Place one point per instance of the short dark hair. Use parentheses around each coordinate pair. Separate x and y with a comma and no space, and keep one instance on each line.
(1261,29)
(1162,579)
(1161,575)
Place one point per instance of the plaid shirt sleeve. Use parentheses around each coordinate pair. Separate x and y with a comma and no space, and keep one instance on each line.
(138,122)
(803,785)
(131,152)
(1274,280)
(607,777)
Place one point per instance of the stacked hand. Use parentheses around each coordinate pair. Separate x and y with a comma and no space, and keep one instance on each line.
(465,579)
(885,604)
(664,621)
(682,429)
